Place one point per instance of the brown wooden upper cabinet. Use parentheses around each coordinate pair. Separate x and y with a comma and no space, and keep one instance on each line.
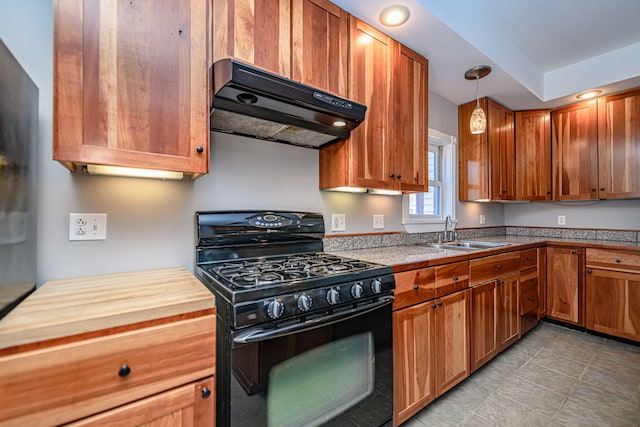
(304,40)
(574,139)
(388,150)
(619,145)
(533,155)
(131,85)
(486,161)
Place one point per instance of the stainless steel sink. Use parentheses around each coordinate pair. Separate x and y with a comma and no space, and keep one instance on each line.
(465,245)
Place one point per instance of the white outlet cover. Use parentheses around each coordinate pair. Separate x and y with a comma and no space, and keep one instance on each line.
(83,226)
(378,221)
(338,222)
(562,220)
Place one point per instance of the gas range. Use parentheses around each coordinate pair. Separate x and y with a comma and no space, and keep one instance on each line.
(289,282)
(286,309)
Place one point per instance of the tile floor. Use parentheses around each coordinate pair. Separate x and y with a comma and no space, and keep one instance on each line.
(553,376)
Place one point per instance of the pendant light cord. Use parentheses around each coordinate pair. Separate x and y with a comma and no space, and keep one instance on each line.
(477,87)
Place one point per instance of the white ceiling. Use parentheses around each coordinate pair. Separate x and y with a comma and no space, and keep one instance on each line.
(543,52)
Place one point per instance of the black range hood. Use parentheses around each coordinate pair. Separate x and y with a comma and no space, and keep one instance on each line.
(255,103)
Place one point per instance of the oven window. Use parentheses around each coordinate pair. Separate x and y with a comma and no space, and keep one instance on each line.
(313,387)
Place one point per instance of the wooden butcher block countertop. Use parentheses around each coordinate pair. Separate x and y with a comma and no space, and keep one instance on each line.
(61,309)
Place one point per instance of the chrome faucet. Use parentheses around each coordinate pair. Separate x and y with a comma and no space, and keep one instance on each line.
(449,234)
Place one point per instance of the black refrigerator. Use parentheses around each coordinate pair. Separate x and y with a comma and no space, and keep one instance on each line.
(18,198)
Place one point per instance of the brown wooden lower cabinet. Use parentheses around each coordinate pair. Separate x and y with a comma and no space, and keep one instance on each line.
(495,318)
(192,405)
(430,350)
(565,286)
(528,291)
(613,292)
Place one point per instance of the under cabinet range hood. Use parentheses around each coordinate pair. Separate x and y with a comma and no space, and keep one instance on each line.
(255,103)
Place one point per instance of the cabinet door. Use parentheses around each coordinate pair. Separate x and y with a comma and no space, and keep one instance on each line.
(451,340)
(507,307)
(410,121)
(483,324)
(370,84)
(533,155)
(619,145)
(319,37)
(191,405)
(564,284)
(412,360)
(473,156)
(131,81)
(257,32)
(542,283)
(501,152)
(613,303)
(575,151)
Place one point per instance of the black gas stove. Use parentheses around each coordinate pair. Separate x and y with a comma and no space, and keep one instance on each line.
(270,266)
(304,338)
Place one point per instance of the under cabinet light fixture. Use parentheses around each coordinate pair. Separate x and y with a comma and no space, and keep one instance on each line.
(394,16)
(478,121)
(132,172)
(589,94)
(384,192)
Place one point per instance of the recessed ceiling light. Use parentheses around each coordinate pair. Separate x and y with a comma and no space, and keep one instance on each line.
(589,94)
(395,15)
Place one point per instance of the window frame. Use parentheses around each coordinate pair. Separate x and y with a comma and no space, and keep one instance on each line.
(448,188)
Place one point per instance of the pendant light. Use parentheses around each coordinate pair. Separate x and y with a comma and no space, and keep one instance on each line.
(478,121)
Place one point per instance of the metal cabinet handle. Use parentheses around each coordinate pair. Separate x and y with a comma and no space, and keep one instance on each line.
(399,176)
(439,303)
(124,371)
(392,176)
(199,149)
(416,287)
(499,266)
(618,261)
(433,306)
(455,278)
(206,393)
(529,258)
(573,252)
(530,299)
(589,271)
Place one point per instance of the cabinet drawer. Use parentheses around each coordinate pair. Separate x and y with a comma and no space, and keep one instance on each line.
(452,278)
(59,384)
(414,286)
(491,267)
(613,259)
(528,259)
(529,300)
(527,322)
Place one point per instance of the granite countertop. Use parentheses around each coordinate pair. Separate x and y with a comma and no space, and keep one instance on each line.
(409,257)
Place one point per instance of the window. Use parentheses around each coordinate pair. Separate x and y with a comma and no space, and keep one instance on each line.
(438,202)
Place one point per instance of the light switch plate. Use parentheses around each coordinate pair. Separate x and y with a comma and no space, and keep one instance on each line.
(562,220)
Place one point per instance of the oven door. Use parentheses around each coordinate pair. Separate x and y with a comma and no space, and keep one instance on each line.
(335,371)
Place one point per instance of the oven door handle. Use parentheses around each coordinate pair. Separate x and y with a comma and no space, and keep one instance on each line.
(261,334)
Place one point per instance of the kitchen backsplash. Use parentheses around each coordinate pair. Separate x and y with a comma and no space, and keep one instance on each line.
(365,241)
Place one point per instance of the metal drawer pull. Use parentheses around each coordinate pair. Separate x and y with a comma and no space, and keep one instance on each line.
(206,393)
(455,278)
(499,266)
(529,258)
(433,306)
(416,287)
(530,299)
(439,303)
(618,261)
(124,371)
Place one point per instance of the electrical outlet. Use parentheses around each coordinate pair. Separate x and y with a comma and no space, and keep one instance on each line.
(483,219)
(562,220)
(338,222)
(378,221)
(84,226)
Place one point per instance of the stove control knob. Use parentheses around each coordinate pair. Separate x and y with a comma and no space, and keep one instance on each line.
(376,286)
(333,296)
(304,303)
(275,309)
(356,290)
